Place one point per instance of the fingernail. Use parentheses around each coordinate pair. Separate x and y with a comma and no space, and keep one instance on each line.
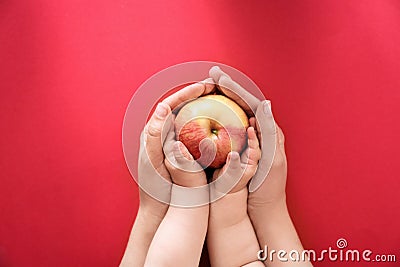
(161,110)
(267,107)
(234,155)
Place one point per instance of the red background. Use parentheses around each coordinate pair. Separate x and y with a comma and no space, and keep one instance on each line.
(69,68)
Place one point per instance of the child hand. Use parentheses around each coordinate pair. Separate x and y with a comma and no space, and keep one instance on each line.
(241,169)
(184,169)
(231,238)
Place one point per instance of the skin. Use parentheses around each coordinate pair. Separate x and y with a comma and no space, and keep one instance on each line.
(231,239)
(266,206)
(157,223)
(188,225)
(151,211)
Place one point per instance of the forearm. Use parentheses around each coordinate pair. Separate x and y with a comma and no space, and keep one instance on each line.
(275,231)
(231,239)
(186,228)
(143,231)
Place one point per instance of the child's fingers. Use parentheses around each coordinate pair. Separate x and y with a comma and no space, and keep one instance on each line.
(208,151)
(252,122)
(252,138)
(233,164)
(183,160)
(253,151)
(169,143)
(238,175)
(234,169)
(181,153)
(227,178)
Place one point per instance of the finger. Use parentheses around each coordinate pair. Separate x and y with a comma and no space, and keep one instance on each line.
(252,138)
(208,151)
(215,73)
(225,179)
(264,119)
(181,153)
(235,171)
(252,122)
(280,138)
(234,90)
(190,92)
(169,143)
(183,160)
(253,153)
(156,122)
(159,121)
(233,164)
(267,130)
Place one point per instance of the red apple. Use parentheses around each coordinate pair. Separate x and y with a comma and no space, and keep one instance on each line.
(217,118)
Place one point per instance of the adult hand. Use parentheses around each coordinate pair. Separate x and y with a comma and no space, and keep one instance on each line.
(271,192)
(153,177)
(267,200)
(151,157)
(235,91)
(252,106)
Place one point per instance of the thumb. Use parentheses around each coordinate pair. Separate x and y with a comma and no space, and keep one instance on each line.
(208,151)
(232,169)
(233,162)
(231,174)
(157,121)
(160,121)
(181,153)
(184,161)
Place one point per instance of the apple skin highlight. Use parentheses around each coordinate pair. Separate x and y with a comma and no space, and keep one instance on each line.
(217,118)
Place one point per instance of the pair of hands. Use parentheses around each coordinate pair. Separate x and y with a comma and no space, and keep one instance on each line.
(259,210)
(270,190)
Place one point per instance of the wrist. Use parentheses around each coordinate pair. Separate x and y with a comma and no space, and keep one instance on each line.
(274,228)
(229,210)
(189,196)
(231,199)
(152,211)
(242,192)
(190,181)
